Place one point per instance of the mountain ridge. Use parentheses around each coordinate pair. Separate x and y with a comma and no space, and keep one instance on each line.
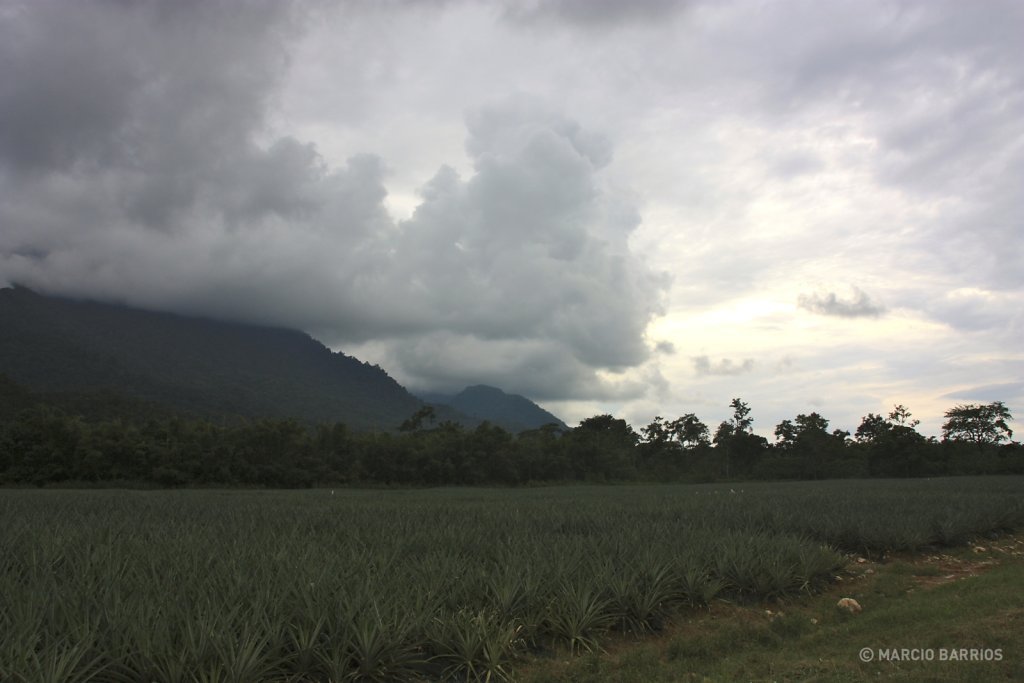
(493,404)
(197,366)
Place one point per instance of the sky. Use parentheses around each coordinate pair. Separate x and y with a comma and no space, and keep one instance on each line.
(643,208)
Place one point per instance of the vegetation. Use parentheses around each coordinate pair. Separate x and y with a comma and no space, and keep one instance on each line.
(42,443)
(99,393)
(82,354)
(949,616)
(200,367)
(510,411)
(984,425)
(449,584)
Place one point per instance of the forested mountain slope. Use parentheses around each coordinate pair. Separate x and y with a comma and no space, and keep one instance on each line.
(194,365)
(512,411)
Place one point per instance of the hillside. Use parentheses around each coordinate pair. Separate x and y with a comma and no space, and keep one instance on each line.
(73,349)
(511,411)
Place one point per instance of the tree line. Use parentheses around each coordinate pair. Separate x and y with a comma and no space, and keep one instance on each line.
(42,444)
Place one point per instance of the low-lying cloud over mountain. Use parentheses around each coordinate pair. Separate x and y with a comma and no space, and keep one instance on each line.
(144,173)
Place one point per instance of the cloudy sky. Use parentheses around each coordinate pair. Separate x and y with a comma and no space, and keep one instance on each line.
(643,208)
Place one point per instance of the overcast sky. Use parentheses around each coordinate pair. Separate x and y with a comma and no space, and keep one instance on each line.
(642,208)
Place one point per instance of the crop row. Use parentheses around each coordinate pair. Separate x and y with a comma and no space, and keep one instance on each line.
(421,585)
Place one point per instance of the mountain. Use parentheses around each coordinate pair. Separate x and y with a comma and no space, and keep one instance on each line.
(77,350)
(510,411)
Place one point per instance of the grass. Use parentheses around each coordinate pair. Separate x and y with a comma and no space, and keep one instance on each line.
(926,604)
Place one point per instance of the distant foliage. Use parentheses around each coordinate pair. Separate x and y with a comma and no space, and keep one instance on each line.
(206,368)
(122,440)
(981,424)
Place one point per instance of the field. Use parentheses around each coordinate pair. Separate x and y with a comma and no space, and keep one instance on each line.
(441,584)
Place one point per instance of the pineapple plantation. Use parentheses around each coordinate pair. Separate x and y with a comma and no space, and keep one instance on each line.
(425,585)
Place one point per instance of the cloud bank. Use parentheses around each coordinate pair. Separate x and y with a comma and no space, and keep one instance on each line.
(145,175)
(468,191)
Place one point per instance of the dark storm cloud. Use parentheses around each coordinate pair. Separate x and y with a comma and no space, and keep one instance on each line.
(65,87)
(542,369)
(858,305)
(531,249)
(145,173)
(107,83)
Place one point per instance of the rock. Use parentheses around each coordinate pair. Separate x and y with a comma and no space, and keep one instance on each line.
(850,605)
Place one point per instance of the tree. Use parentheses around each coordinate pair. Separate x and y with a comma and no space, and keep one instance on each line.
(541,454)
(893,445)
(737,441)
(602,448)
(812,424)
(981,424)
(669,449)
(690,432)
(741,420)
(656,434)
(415,422)
(900,416)
(872,430)
(807,449)
(786,434)
(687,432)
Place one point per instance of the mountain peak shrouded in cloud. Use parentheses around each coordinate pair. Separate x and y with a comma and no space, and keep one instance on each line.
(511,411)
(171,364)
(167,190)
(857,305)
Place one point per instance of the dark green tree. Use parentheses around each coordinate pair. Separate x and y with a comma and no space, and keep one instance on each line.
(690,432)
(808,449)
(741,449)
(873,428)
(415,422)
(602,448)
(673,449)
(657,433)
(541,454)
(892,445)
(981,424)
